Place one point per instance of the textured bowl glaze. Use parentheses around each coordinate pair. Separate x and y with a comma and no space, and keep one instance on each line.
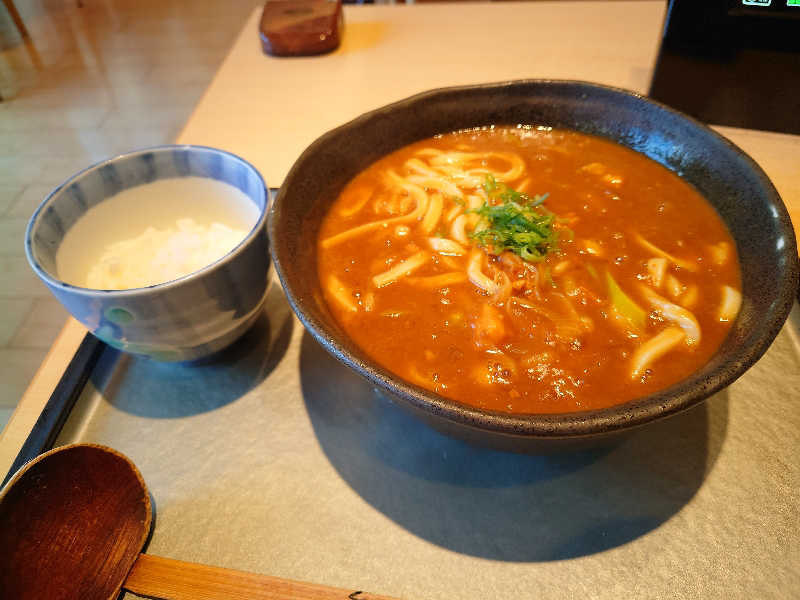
(726,176)
(184,319)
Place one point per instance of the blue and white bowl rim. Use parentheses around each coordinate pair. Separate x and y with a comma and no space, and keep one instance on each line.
(53,281)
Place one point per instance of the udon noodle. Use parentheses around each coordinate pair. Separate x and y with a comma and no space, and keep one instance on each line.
(529,270)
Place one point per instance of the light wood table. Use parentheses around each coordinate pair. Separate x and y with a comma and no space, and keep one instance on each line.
(268,110)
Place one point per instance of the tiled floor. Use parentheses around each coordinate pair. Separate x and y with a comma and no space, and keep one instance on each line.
(98,77)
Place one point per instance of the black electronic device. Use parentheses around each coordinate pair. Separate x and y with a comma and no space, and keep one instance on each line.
(732,62)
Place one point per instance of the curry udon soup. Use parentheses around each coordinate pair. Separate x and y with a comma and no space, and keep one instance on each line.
(529,270)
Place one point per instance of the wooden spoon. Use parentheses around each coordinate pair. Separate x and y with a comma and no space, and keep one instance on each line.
(74,521)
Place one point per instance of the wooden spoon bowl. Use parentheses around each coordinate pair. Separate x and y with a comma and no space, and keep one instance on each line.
(77,518)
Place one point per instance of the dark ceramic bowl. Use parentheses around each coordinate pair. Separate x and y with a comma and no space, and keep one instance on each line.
(726,176)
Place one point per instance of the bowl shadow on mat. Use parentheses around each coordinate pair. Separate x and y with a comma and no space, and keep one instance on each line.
(148,388)
(499,505)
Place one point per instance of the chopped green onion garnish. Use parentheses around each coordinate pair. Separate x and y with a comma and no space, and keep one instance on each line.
(511,221)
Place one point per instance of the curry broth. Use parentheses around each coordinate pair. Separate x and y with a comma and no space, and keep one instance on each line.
(557,343)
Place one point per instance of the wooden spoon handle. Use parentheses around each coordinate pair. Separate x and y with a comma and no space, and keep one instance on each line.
(169,579)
